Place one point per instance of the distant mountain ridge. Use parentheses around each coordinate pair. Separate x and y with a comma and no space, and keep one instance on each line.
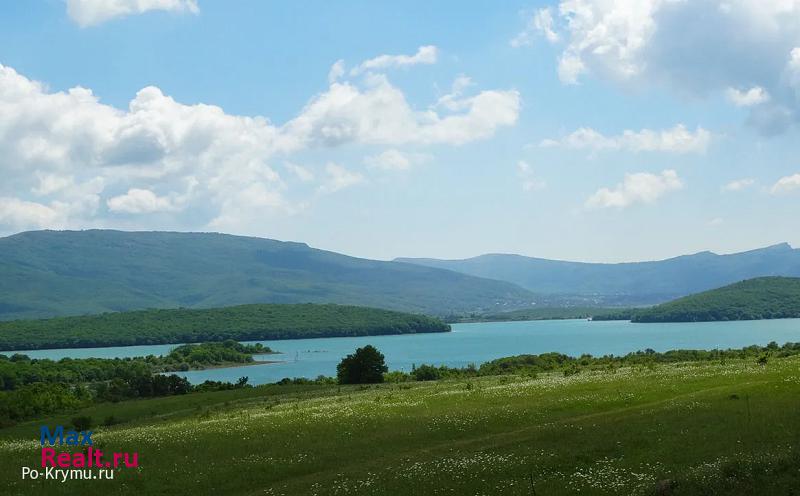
(634,283)
(60,273)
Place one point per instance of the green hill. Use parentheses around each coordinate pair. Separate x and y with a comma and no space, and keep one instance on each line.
(760,298)
(58,273)
(245,322)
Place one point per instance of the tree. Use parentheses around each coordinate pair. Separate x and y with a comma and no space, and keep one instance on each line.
(366,366)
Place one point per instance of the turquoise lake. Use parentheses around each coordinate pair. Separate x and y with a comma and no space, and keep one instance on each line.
(475,343)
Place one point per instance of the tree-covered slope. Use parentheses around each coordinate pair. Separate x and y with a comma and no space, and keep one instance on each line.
(621,284)
(244,322)
(55,273)
(760,298)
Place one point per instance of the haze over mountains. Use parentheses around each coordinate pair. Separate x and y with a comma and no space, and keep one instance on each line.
(640,283)
(55,273)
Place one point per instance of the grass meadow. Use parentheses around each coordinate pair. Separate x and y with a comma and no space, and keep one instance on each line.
(729,428)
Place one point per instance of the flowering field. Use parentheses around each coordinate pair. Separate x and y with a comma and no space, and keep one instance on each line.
(701,428)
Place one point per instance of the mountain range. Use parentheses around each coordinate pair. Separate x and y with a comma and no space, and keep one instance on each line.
(638,283)
(62,273)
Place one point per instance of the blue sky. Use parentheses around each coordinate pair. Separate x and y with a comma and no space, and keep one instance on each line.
(581,129)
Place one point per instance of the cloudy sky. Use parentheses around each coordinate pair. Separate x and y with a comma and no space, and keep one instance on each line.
(602,130)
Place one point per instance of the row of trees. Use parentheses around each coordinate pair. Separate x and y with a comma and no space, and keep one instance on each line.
(367,365)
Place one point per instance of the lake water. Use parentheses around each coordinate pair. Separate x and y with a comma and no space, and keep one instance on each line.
(475,343)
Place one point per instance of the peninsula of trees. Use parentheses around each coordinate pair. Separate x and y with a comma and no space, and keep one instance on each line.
(240,323)
(753,299)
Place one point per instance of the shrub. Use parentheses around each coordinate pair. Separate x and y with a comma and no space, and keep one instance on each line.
(82,423)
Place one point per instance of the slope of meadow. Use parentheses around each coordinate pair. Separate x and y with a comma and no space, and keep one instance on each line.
(703,428)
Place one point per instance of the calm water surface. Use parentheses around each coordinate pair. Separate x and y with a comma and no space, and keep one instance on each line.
(475,343)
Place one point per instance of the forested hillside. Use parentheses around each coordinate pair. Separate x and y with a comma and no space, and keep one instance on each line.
(58,273)
(760,298)
(241,323)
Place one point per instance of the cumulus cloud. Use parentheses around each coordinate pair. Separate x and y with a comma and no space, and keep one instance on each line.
(394,159)
(739,184)
(529,180)
(140,201)
(793,70)
(786,184)
(696,47)
(379,114)
(246,211)
(24,214)
(425,55)
(336,72)
(540,23)
(302,173)
(641,187)
(51,183)
(82,158)
(92,12)
(675,140)
(339,178)
(454,100)
(754,96)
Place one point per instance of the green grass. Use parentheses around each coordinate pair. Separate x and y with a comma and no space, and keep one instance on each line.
(714,428)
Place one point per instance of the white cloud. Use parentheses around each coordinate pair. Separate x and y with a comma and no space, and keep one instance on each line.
(716,221)
(70,148)
(336,72)
(454,100)
(339,178)
(529,180)
(389,160)
(570,67)
(140,201)
(739,184)
(675,140)
(754,96)
(394,159)
(380,114)
(92,12)
(22,214)
(793,70)
(641,187)
(247,211)
(302,173)
(425,55)
(786,184)
(540,23)
(696,47)
(51,183)
(77,146)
